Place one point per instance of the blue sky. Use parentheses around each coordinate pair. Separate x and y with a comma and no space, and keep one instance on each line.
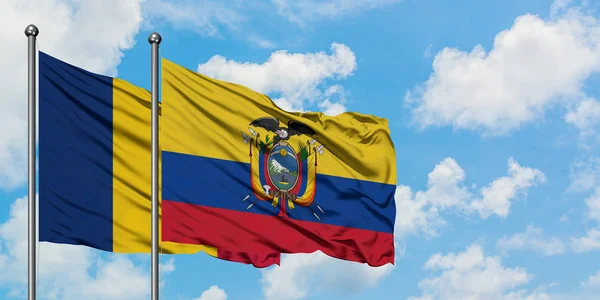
(492,107)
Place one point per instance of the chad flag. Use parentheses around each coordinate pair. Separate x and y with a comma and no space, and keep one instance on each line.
(242,175)
(95,163)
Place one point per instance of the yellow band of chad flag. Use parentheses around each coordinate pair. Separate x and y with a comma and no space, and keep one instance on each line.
(243,175)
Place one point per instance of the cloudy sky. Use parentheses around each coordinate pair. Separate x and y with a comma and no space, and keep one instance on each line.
(493,108)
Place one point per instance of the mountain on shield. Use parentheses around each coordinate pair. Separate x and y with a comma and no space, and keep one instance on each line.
(276,167)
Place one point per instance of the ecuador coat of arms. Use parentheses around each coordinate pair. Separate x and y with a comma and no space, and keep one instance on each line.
(283,164)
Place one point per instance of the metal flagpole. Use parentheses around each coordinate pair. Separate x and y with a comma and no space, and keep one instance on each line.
(31,32)
(154,39)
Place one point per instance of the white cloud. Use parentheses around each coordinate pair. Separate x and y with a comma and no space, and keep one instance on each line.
(67,271)
(498,195)
(210,17)
(427,53)
(532,239)
(593,205)
(320,272)
(301,11)
(535,295)
(559,6)
(593,282)
(472,275)
(202,16)
(420,211)
(261,42)
(75,31)
(213,18)
(298,79)
(331,109)
(334,102)
(586,116)
(443,185)
(118,278)
(415,214)
(591,241)
(167,267)
(534,65)
(587,243)
(585,175)
(213,293)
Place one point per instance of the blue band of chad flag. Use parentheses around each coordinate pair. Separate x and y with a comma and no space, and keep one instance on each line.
(75,155)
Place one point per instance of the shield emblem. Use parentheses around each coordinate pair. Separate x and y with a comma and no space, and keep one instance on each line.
(282,166)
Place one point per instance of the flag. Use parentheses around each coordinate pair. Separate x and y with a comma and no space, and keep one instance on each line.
(95,163)
(242,175)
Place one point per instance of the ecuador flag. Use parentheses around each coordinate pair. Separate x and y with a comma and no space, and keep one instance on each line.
(95,163)
(242,175)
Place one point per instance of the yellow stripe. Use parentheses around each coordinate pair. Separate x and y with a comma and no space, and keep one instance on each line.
(205,117)
(131,169)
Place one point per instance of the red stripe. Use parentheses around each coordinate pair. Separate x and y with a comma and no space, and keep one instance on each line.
(254,233)
(257,260)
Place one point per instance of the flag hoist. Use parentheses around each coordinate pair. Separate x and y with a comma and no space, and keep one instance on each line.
(154,39)
(31,32)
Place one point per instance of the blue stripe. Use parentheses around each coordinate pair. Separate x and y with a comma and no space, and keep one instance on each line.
(223,184)
(75,155)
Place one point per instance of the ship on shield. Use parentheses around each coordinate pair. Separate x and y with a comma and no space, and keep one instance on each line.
(283,166)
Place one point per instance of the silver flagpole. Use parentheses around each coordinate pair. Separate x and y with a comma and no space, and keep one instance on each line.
(154,39)
(31,32)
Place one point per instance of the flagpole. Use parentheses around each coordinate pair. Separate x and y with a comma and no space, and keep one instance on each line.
(31,32)
(154,39)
